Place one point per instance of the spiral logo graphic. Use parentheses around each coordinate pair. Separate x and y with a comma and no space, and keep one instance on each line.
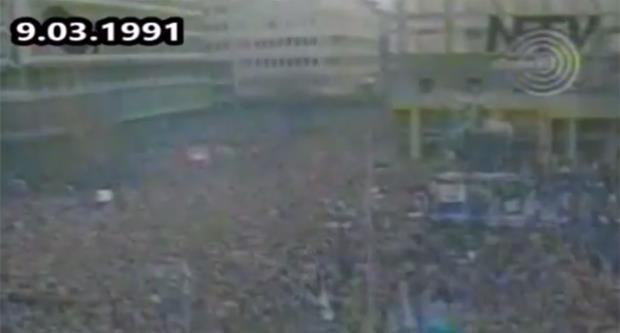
(548,62)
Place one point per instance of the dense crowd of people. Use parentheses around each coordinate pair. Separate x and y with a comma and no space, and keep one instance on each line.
(271,236)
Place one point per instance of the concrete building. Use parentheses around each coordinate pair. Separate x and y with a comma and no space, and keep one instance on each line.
(459,26)
(296,48)
(446,61)
(217,15)
(54,90)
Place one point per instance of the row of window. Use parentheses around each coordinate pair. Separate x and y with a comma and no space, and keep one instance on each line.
(308,61)
(282,62)
(306,41)
(286,41)
(246,44)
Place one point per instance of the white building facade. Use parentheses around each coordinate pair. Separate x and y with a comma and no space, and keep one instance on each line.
(297,48)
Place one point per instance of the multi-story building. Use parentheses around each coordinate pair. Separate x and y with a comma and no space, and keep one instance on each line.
(299,48)
(218,30)
(447,51)
(49,90)
(458,26)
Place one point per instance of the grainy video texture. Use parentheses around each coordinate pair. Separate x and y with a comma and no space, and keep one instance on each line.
(311,166)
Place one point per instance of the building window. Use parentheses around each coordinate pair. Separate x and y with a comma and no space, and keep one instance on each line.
(282,62)
(289,62)
(289,41)
(315,62)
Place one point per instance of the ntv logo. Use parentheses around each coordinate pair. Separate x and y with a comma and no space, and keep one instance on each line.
(541,52)
(570,25)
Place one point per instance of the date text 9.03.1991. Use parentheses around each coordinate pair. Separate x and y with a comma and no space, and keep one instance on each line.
(77,31)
